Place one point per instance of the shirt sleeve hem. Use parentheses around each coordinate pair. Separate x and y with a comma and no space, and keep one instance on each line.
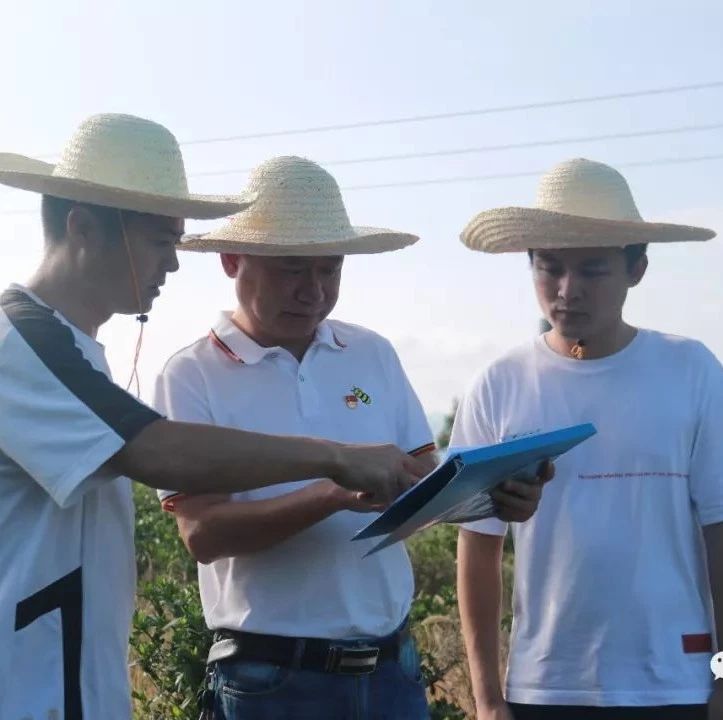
(710,516)
(427,446)
(484,527)
(70,486)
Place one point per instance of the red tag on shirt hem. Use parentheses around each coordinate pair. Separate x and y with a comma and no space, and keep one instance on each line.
(702,643)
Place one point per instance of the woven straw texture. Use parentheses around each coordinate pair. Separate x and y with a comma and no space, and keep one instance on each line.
(119,161)
(580,203)
(299,211)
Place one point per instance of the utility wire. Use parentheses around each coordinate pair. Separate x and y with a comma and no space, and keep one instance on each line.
(669,90)
(490,148)
(504,176)
(462,113)
(480,178)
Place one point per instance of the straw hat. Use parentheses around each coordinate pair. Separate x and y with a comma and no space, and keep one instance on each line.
(299,211)
(580,203)
(123,162)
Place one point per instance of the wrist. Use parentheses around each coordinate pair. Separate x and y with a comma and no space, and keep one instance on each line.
(491,703)
(489,696)
(333,463)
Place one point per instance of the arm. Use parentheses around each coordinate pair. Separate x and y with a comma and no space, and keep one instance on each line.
(213,527)
(82,421)
(194,458)
(479,587)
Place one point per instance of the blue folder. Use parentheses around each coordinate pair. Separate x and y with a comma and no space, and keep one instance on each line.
(458,490)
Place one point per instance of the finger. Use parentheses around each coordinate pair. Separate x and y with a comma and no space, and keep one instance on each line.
(514,514)
(546,471)
(381,496)
(508,515)
(364,502)
(513,502)
(372,507)
(519,488)
(414,467)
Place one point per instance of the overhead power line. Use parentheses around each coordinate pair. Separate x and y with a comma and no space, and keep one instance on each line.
(490,148)
(530,173)
(477,178)
(462,113)
(669,90)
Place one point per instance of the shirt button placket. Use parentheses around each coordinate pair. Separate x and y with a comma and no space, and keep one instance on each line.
(307,396)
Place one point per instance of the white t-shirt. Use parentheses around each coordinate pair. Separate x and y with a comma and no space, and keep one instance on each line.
(349,387)
(612,598)
(67,567)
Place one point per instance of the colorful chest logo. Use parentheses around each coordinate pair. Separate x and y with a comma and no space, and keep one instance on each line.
(352,401)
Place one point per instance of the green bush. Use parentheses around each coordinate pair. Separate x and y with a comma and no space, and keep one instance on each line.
(170,643)
(169,639)
(159,549)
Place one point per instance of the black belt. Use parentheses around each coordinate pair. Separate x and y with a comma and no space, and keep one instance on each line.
(331,656)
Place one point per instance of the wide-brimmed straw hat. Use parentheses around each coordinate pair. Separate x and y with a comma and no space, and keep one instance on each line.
(119,161)
(580,203)
(299,211)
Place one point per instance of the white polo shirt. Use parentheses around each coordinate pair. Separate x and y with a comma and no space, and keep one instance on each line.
(67,568)
(612,600)
(349,387)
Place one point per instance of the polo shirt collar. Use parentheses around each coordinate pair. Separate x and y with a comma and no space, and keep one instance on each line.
(232,340)
(325,335)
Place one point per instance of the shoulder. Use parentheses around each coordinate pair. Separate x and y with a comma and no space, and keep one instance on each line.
(680,352)
(21,313)
(30,328)
(363,342)
(512,365)
(357,336)
(192,354)
(189,359)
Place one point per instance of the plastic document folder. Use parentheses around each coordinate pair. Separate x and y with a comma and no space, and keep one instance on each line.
(458,490)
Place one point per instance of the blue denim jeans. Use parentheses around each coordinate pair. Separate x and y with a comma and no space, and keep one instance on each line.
(249,690)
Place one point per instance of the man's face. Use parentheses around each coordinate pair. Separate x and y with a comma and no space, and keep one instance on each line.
(582,291)
(284,298)
(152,240)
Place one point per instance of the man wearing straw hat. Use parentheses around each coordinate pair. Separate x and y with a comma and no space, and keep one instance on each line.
(619,576)
(112,213)
(305,625)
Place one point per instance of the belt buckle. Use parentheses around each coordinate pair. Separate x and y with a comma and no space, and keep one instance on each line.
(352,660)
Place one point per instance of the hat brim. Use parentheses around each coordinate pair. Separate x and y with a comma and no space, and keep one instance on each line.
(36,176)
(362,241)
(518,229)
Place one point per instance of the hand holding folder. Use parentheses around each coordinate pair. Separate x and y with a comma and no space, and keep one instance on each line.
(459,489)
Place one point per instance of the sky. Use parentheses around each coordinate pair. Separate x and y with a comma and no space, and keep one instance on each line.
(218,69)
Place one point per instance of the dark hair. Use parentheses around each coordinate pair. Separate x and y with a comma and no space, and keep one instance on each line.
(54,212)
(632,253)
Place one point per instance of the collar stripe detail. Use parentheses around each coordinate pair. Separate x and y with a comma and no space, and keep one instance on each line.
(221,345)
(429,447)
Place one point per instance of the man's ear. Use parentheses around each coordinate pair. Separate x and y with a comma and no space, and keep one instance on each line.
(637,272)
(230,263)
(80,224)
